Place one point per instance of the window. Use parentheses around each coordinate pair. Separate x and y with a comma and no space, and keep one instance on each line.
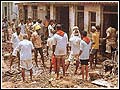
(34,12)
(80,17)
(5,11)
(92,20)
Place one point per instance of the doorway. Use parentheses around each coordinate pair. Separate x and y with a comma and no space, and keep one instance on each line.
(62,17)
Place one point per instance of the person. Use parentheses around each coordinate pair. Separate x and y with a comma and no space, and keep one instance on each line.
(111,41)
(51,28)
(15,39)
(60,48)
(22,25)
(5,29)
(25,48)
(33,25)
(46,23)
(84,53)
(42,29)
(36,40)
(95,46)
(50,43)
(27,28)
(74,48)
(13,25)
(75,28)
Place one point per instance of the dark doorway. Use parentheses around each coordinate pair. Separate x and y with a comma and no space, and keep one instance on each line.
(25,13)
(109,20)
(62,17)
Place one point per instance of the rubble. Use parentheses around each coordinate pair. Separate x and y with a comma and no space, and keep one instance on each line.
(42,78)
(94,75)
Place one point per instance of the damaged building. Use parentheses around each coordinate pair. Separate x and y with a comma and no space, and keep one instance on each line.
(82,14)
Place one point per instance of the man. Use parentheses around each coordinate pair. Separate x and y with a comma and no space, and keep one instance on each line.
(75,28)
(36,39)
(60,48)
(95,46)
(74,48)
(46,23)
(22,25)
(15,39)
(85,46)
(13,24)
(25,48)
(51,28)
(5,29)
(50,43)
(111,41)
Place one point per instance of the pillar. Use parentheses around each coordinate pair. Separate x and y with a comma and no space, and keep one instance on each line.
(51,12)
(71,18)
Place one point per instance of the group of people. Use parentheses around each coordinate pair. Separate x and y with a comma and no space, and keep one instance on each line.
(28,38)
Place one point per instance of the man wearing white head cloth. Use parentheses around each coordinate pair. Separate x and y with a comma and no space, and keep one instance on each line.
(74,43)
(75,28)
(95,46)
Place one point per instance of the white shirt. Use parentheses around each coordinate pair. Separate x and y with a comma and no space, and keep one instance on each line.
(15,40)
(85,48)
(61,44)
(49,30)
(50,42)
(22,28)
(25,47)
(75,44)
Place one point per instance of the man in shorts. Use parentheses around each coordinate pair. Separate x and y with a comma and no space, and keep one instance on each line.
(25,48)
(85,46)
(50,43)
(60,48)
(37,42)
(15,39)
(74,48)
(95,46)
(111,41)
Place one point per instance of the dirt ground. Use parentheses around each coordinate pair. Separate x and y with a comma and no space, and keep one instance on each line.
(42,78)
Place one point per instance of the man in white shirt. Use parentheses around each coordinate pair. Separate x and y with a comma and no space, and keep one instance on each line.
(85,46)
(75,28)
(25,48)
(51,28)
(50,43)
(15,39)
(22,25)
(74,50)
(5,29)
(60,48)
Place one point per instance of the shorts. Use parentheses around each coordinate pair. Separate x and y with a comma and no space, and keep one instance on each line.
(84,62)
(94,51)
(26,64)
(60,56)
(110,46)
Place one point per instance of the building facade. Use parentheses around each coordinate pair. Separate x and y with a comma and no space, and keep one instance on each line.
(82,14)
(7,8)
